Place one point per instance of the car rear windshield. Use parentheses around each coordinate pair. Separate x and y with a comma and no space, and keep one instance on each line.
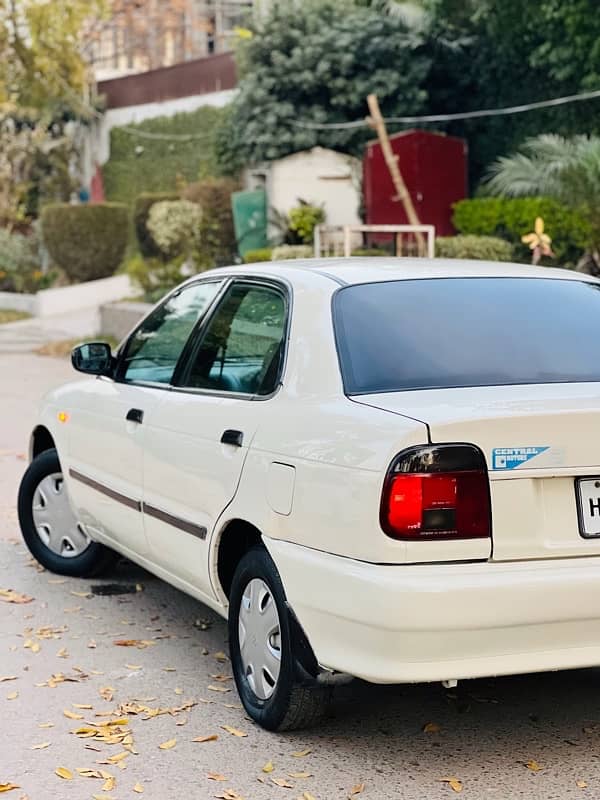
(450,332)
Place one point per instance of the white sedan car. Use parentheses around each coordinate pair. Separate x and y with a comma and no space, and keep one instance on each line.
(383,469)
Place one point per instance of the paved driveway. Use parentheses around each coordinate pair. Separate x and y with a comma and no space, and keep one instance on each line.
(484,735)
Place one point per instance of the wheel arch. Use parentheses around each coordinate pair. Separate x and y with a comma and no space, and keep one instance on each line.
(234,540)
(40,441)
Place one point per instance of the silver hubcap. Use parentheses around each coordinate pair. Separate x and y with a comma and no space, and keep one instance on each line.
(54,521)
(260,638)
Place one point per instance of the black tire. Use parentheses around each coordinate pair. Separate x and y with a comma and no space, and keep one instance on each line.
(297,701)
(91,561)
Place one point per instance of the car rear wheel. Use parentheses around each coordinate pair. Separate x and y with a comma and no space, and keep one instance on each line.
(50,529)
(268,678)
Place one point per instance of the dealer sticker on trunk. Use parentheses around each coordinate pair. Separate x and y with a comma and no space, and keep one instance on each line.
(513,457)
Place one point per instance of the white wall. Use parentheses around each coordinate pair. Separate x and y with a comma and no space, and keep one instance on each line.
(318,176)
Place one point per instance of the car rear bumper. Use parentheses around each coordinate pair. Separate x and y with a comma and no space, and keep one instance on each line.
(396,623)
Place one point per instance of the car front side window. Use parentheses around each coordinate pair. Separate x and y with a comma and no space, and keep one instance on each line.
(153,350)
(242,348)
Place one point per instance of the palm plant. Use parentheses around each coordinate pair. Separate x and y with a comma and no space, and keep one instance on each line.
(567,169)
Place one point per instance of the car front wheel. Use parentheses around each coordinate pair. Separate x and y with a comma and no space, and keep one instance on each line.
(264,666)
(50,529)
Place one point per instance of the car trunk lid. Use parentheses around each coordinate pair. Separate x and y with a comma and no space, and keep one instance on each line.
(542,447)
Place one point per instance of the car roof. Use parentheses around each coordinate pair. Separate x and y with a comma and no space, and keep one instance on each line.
(356,270)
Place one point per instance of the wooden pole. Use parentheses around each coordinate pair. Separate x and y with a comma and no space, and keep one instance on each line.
(377,122)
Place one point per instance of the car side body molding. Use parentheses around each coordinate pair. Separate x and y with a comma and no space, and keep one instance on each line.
(181,524)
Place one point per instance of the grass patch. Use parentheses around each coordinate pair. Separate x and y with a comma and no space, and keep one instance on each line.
(62,348)
(8,315)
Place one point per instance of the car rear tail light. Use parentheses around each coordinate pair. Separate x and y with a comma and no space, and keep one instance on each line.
(437,492)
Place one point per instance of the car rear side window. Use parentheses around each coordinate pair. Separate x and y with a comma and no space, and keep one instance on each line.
(453,332)
(242,348)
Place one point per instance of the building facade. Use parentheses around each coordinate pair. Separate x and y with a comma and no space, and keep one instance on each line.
(142,35)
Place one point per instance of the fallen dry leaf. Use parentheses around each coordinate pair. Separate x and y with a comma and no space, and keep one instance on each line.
(46,725)
(64,773)
(12,696)
(169,745)
(268,767)
(118,757)
(581,784)
(139,643)
(106,693)
(301,753)
(62,653)
(85,772)
(220,656)
(71,714)
(283,782)
(178,690)
(133,666)
(307,796)
(229,794)
(211,738)
(216,776)
(453,783)
(233,731)
(431,727)
(81,594)
(533,766)
(84,706)
(138,788)
(10,596)
(214,688)
(358,789)
(300,774)
(41,746)
(7,678)
(102,797)
(8,787)
(109,784)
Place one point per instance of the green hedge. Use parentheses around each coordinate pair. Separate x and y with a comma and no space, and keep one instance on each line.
(485,248)
(141,209)
(88,241)
(255,256)
(510,218)
(138,164)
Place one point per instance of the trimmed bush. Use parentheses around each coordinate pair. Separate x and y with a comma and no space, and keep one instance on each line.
(289,251)
(175,227)
(218,245)
(20,263)
(255,256)
(141,209)
(88,241)
(154,276)
(510,218)
(369,252)
(485,248)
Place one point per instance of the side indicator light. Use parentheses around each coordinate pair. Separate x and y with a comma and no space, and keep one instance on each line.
(63,416)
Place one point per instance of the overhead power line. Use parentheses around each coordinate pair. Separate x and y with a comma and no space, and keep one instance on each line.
(488,112)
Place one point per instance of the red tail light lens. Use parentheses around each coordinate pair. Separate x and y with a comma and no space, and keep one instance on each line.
(437,492)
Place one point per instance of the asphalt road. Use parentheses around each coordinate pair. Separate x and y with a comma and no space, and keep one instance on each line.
(484,735)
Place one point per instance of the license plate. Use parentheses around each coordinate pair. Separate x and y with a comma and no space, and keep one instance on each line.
(588,506)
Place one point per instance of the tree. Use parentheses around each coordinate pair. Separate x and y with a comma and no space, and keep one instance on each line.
(317,61)
(567,169)
(41,62)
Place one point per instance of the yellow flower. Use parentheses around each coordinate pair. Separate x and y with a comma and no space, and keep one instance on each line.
(243,33)
(538,238)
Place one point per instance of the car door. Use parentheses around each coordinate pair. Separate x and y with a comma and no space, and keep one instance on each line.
(196,449)
(110,416)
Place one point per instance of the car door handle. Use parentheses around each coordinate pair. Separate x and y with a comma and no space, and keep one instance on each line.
(235,438)
(135,415)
